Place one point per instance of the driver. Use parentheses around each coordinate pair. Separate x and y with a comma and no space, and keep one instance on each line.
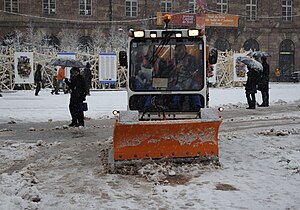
(184,69)
(184,75)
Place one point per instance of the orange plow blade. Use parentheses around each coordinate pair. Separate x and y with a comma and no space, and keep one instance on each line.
(165,139)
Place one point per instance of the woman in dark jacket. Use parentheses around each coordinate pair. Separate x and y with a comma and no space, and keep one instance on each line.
(251,87)
(87,74)
(38,79)
(263,85)
(78,93)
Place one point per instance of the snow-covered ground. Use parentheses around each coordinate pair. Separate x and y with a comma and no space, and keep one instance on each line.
(259,156)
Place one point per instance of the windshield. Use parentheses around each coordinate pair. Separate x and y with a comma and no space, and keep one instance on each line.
(166,64)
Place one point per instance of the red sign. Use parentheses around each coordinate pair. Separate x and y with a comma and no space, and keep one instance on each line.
(178,19)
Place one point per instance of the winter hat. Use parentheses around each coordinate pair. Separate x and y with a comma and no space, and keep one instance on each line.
(76,69)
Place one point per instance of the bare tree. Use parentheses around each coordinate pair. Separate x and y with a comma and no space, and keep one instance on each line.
(117,38)
(33,39)
(69,40)
(99,36)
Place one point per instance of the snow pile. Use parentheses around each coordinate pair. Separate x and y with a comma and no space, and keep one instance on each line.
(19,187)
(20,190)
(161,172)
(274,132)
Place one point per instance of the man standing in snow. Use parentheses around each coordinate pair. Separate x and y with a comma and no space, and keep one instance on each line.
(87,74)
(78,94)
(38,79)
(263,86)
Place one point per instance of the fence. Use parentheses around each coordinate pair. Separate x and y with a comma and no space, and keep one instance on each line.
(44,57)
(225,70)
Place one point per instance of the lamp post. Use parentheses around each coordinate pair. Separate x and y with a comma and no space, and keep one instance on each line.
(123,38)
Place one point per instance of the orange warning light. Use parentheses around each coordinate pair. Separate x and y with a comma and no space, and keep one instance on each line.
(167,18)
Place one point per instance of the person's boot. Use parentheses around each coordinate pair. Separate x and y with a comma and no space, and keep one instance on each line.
(81,122)
(73,124)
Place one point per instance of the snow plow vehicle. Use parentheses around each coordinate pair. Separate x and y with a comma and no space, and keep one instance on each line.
(167,115)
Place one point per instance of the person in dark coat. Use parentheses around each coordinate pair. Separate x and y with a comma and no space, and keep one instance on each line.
(38,79)
(263,85)
(87,74)
(78,94)
(251,87)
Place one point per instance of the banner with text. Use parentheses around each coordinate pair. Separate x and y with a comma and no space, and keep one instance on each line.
(209,20)
(223,20)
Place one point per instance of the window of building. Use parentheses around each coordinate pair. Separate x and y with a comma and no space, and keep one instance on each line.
(12,5)
(85,7)
(192,6)
(286,59)
(50,41)
(131,8)
(222,6)
(49,7)
(222,44)
(251,44)
(287,7)
(251,10)
(166,6)
(9,39)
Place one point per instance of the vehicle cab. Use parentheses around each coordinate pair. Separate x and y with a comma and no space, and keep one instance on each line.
(167,73)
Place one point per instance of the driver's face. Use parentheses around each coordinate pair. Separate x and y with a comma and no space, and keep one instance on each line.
(180,51)
(148,50)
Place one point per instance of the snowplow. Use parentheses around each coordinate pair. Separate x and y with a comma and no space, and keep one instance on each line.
(167,115)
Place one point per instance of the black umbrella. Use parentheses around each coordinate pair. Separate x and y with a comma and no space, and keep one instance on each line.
(250,63)
(258,54)
(67,63)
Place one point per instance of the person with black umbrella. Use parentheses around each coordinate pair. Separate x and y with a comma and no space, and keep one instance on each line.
(78,93)
(60,81)
(263,85)
(253,76)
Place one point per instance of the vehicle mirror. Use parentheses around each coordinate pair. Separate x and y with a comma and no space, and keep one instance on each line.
(213,56)
(123,58)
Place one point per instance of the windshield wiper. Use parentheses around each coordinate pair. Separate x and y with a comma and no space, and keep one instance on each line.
(164,42)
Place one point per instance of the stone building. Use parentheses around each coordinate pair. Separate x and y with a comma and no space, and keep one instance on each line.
(266,25)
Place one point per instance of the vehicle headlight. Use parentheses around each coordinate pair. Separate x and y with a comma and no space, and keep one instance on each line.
(178,35)
(193,32)
(115,112)
(221,109)
(153,34)
(139,34)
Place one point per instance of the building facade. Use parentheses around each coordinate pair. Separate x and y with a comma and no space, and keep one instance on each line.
(266,25)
